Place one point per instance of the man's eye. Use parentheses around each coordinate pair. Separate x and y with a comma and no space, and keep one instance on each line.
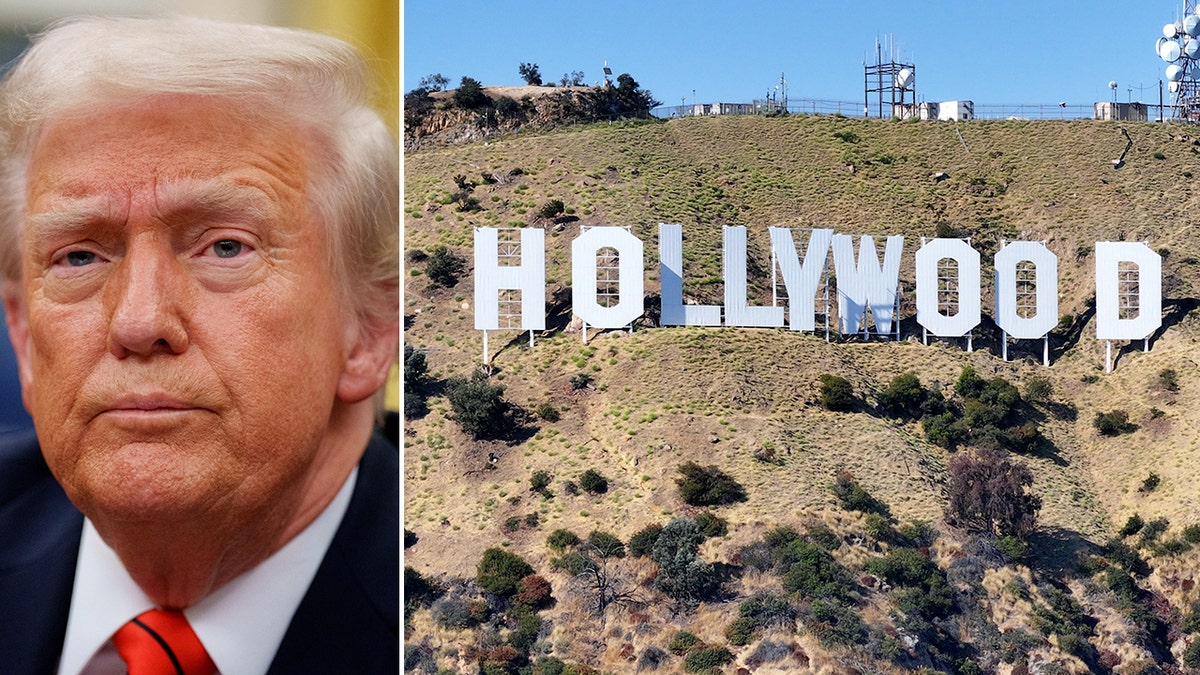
(80,258)
(227,248)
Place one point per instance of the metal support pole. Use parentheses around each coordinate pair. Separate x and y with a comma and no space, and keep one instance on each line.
(1046,351)
(1108,356)
(531,339)
(970,342)
(583,332)
(485,347)
(1004,344)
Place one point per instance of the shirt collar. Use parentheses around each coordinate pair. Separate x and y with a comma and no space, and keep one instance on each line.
(241,624)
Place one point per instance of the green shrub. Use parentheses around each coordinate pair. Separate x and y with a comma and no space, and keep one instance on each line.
(682,642)
(812,573)
(1191,622)
(607,545)
(1191,655)
(1150,484)
(478,406)
(1113,423)
(834,625)
(552,209)
(1168,379)
(526,632)
(836,393)
(1132,526)
(742,631)
(642,542)
(469,94)
(922,585)
(443,267)
(1191,534)
(1013,548)
(560,540)
(879,528)
(821,535)
(539,481)
(682,574)
(580,381)
(945,430)
(708,486)
(1153,529)
(593,482)
(854,497)
(712,525)
(547,412)
(707,659)
(1038,388)
(906,398)
(500,572)
(1126,557)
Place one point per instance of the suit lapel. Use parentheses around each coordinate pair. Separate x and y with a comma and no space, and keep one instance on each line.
(37,559)
(349,619)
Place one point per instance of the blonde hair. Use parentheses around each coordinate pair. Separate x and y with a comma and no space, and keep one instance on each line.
(318,82)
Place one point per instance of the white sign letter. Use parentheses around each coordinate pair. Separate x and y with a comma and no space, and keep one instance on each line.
(801,281)
(670,266)
(737,311)
(1046,285)
(928,287)
(866,284)
(491,277)
(1148,283)
(583,277)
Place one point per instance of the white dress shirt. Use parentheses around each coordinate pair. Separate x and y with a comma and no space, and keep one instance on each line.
(241,624)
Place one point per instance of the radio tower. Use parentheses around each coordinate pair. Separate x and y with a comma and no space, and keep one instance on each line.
(1179,47)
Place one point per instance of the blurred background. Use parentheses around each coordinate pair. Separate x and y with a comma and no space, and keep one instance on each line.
(371,25)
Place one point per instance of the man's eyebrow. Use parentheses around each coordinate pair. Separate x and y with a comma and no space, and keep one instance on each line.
(245,202)
(70,216)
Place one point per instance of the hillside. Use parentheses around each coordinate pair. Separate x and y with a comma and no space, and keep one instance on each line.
(663,396)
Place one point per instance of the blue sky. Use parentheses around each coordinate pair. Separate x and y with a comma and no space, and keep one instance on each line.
(1000,52)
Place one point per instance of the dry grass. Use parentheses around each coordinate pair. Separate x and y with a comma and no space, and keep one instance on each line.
(663,396)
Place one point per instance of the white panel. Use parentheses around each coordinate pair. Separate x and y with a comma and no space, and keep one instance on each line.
(630,282)
(969,311)
(1109,325)
(670,265)
(801,281)
(529,277)
(866,284)
(1046,281)
(737,310)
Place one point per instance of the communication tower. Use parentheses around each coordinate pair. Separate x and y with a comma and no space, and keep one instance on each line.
(890,81)
(1179,47)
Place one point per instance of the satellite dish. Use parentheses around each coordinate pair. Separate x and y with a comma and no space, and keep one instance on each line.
(1174,73)
(1169,51)
(1112,84)
(1191,25)
(904,78)
(1169,31)
(1173,87)
(1158,45)
(1191,48)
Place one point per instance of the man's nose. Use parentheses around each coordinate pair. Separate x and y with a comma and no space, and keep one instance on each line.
(143,299)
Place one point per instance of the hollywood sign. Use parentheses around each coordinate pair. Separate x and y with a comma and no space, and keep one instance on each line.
(1128,284)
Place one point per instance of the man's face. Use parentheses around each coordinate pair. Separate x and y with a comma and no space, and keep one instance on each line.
(180,335)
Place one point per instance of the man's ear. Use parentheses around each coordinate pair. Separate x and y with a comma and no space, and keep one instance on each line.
(17,318)
(374,349)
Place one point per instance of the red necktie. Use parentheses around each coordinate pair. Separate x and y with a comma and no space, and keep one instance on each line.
(160,642)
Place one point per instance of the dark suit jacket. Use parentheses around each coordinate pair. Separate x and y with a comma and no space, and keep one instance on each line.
(346,623)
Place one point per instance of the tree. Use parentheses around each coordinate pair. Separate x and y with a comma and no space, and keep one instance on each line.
(601,577)
(593,482)
(469,94)
(415,370)
(531,75)
(632,97)
(478,406)
(443,267)
(682,574)
(501,572)
(434,82)
(988,493)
